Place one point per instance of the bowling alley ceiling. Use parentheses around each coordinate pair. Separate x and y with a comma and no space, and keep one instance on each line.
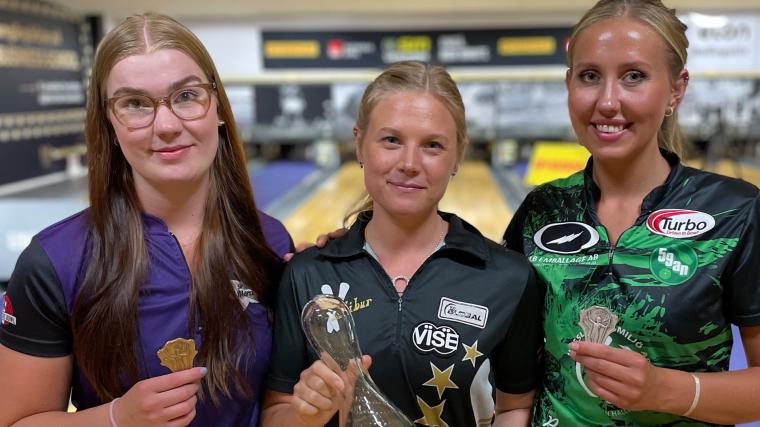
(332,10)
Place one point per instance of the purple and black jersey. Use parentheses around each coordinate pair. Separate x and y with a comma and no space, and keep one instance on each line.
(46,280)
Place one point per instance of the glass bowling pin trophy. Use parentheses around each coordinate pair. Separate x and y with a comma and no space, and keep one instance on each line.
(329,326)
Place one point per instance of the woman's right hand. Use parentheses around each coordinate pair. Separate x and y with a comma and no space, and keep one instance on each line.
(321,241)
(318,394)
(321,392)
(166,400)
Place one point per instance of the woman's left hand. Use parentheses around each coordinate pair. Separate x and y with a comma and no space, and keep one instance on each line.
(622,377)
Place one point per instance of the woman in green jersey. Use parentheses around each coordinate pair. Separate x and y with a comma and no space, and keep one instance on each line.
(646,262)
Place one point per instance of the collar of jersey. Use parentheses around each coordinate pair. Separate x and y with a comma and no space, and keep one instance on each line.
(461,237)
(593,193)
(153,224)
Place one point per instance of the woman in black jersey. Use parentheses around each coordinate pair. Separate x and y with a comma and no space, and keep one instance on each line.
(439,307)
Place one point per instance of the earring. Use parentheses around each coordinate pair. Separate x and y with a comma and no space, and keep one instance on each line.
(669,112)
(361,165)
(453,174)
(220,123)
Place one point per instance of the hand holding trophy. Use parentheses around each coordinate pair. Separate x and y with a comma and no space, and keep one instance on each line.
(329,327)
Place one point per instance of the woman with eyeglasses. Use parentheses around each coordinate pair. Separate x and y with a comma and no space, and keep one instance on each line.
(172,246)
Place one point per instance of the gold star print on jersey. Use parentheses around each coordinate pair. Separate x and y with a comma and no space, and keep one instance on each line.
(431,416)
(471,352)
(441,379)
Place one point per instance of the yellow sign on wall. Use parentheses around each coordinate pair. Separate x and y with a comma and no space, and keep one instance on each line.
(525,46)
(292,49)
(555,159)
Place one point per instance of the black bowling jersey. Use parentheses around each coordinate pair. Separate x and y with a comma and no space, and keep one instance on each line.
(468,320)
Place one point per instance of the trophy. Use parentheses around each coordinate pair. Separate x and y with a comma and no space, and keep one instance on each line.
(329,327)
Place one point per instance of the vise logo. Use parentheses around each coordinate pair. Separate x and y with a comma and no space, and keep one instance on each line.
(428,337)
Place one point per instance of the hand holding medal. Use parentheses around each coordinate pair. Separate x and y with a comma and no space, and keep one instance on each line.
(620,376)
(155,399)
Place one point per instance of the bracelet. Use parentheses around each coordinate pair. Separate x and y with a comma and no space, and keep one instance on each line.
(697,392)
(110,413)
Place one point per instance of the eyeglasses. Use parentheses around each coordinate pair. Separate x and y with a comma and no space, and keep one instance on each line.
(138,111)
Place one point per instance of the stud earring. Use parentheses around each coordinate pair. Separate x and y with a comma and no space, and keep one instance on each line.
(220,123)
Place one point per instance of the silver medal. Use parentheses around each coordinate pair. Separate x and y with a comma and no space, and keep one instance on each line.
(597,323)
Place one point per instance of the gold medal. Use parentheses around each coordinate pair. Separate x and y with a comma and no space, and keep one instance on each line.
(177,354)
(597,323)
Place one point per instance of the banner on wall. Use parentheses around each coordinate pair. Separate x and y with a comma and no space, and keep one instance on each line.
(552,160)
(41,85)
(723,42)
(376,49)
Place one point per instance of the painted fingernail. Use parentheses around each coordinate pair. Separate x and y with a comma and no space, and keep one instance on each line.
(204,371)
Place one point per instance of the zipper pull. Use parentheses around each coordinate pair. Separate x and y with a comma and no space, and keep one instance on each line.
(400,299)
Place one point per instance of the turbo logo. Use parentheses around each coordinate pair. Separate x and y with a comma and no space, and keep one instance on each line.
(428,337)
(679,223)
(566,237)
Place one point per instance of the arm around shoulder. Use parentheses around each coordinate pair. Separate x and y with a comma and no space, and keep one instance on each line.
(513,410)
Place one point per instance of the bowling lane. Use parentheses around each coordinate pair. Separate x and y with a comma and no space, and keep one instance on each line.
(473,194)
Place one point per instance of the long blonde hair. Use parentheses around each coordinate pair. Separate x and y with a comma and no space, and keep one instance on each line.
(673,32)
(104,314)
(411,76)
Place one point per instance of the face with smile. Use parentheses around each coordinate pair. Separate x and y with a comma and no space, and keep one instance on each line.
(409,152)
(620,88)
(170,150)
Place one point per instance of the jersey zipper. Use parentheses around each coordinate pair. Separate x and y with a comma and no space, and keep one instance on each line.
(198,328)
(179,246)
(385,278)
(613,247)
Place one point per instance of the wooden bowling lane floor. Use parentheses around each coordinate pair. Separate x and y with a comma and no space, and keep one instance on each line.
(746,171)
(472,194)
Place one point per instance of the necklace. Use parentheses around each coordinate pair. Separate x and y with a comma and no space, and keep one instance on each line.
(400,281)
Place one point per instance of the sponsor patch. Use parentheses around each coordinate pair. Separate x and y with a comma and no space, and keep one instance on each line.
(245,295)
(343,288)
(354,304)
(463,312)
(674,264)
(428,337)
(8,317)
(679,223)
(566,237)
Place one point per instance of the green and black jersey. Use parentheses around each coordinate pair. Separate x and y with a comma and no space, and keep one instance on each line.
(468,320)
(676,280)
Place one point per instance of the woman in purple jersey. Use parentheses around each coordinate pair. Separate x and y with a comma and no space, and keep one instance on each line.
(172,246)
